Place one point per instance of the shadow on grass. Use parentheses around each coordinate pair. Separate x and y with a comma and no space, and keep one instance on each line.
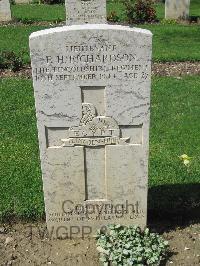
(174,205)
(194,19)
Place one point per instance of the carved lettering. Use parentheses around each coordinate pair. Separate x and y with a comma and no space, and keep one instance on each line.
(91,62)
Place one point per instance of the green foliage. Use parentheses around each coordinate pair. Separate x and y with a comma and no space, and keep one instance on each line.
(174,131)
(52,2)
(122,245)
(140,11)
(113,17)
(9,60)
(185,159)
(168,22)
(175,42)
(117,7)
(12,2)
(17,39)
(24,20)
(144,11)
(130,10)
(194,8)
(35,12)
(20,176)
(170,42)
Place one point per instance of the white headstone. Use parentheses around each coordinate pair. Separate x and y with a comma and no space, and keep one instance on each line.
(5,13)
(92,94)
(85,11)
(177,9)
(23,1)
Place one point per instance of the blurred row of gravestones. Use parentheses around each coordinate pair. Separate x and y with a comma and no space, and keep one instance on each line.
(174,9)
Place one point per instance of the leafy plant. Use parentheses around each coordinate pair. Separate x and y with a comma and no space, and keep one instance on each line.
(9,60)
(25,20)
(185,159)
(12,2)
(121,245)
(168,22)
(140,11)
(113,17)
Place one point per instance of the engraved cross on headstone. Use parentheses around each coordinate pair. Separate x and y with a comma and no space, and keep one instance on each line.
(95,132)
(85,11)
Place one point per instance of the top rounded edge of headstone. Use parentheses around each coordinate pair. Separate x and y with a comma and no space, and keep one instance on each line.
(89,27)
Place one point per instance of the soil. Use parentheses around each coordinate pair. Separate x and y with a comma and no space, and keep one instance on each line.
(175,69)
(25,72)
(33,23)
(28,244)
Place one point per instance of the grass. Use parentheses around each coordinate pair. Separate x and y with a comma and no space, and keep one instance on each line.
(195,8)
(118,8)
(175,43)
(20,35)
(21,188)
(35,12)
(170,42)
(175,130)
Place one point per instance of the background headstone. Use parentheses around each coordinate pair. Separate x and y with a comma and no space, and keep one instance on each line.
(92,95)
(5,13)
(177,9)
(85,11)
(23,1)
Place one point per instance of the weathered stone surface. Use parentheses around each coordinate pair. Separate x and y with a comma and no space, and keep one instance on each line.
(85,11)
(5,13)
(177,9)
(92,93)
(23,1)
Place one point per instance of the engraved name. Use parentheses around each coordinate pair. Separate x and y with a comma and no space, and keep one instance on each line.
(95,62)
